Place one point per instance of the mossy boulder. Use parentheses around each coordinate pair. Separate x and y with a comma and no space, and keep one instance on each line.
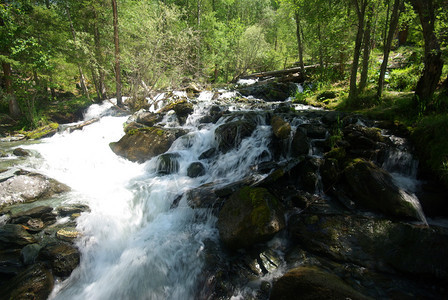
(280,127)
(312,283)
(373,188)
(249,216)
(139,145)
(230,135)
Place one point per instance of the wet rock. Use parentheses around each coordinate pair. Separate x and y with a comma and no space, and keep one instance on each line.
(63,258)
(182,108)
(208,154)
(374,243)
(65,211)
(168,163)
(21,152)
(280,127)
(148,119)
(329,172)
(10,264)
(195,169)
(333,117)
(36,282)
(300,143)
(67,234)
(29,253)
(14,236)
(312,283)
(314,131)
(35,212)
(143,144)
(273,91)
(373,188)
(34,225)
(248,217)
(29,187)
(202,197)
(230,135)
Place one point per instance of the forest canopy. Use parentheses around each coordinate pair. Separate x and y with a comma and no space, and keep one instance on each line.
(50,48)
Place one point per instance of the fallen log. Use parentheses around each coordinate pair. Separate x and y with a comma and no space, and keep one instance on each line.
(80,125)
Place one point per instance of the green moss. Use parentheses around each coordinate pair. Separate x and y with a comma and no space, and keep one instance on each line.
(42,132)
(260,200)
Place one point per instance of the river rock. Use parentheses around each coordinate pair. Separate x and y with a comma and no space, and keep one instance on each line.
(300,143)
(195,169)
(312,283)
(143,144)
(182,108)
(379,244)
(21,152)
(168,163)
(148,118)
(273,91)
(248,217)
(36,282)
(373,188)
(63,258)
(29,253)
(29,187)
(67,234)
(10,264)
(280,127)
(35,212)
(65,211)
(230,135)
(14,236)
(314,131)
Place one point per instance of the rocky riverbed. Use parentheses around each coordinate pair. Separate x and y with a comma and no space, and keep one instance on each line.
(330,203)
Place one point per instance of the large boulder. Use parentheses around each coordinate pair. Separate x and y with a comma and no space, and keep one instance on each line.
(249,216)
(230,135)
(312,283)
(377,244)
(273,91)
(373,188)
(29,187)
(300,143)
(142,144)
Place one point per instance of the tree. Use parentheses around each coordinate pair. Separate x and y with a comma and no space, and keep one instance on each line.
(427,84)
(360,8)
(387,46)
(117,54)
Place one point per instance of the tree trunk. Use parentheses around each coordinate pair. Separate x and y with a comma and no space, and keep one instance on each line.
(432,71)
(388,45)
(360,6)
(81,74)
(14,109)
(117,54)
(366,51)
(101,88)
(299,40)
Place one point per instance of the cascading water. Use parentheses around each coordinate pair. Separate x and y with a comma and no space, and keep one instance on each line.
(133,245)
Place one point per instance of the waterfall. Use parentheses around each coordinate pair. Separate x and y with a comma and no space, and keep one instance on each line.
(133,245)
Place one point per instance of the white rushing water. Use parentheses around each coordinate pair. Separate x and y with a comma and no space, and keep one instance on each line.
(133,246)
